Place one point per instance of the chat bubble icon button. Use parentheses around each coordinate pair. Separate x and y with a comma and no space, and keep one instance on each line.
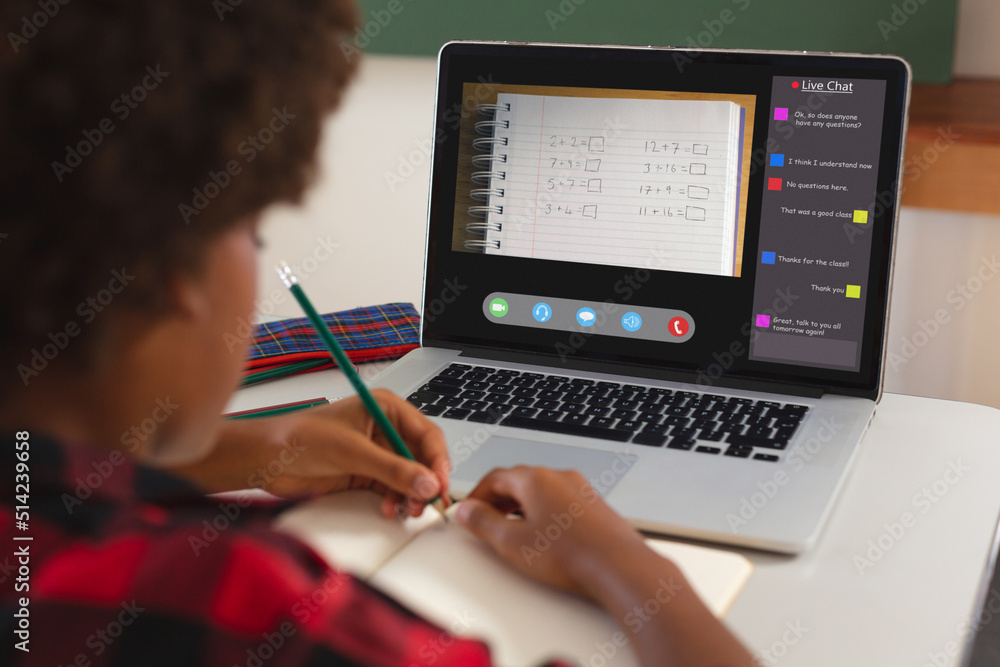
(586,317)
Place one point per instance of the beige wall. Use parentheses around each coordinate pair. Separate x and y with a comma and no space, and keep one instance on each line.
(977,52)
(945,311)
(938,251)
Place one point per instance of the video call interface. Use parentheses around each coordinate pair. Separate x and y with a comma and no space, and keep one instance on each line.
(720,221)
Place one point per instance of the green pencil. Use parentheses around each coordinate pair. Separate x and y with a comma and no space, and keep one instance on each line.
(254,377)
(292,283)
(275,410)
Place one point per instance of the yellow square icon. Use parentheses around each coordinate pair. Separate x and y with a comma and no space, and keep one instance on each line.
(861,217)
(854,291)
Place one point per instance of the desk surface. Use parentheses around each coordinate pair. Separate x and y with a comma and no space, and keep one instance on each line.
(826,607)
(895,574)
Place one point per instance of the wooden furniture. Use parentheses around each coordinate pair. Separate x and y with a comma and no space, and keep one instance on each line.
(953,147)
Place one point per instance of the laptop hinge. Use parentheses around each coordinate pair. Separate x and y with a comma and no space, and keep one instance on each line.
(642,371)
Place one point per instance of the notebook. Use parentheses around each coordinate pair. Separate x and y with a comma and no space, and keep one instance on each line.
(442,572)
(667,269)
(605,211)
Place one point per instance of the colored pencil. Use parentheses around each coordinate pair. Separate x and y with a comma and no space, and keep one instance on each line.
(292,283)
(253,377)
(272,410)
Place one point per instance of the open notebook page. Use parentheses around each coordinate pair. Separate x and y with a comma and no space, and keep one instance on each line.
(629,182)
(349,530)
(450,577)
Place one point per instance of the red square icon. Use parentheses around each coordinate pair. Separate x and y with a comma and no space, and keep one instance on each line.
(774,184)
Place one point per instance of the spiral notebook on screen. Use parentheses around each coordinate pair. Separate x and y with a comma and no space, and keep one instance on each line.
(606,212)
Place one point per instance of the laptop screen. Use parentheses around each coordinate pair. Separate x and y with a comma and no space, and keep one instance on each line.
(710,216)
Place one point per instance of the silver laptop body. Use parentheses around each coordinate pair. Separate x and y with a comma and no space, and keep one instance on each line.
(736,488)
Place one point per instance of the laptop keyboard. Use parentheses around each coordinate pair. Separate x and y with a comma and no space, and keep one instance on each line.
(649,416)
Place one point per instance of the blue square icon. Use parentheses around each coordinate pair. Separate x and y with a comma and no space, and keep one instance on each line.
(767,257)
(777,159)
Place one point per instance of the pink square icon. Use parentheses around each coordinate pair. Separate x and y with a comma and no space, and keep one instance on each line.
(781,113)
(764,321)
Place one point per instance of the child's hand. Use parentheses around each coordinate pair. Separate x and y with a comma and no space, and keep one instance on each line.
(332,448)
(568,537)
(565,531)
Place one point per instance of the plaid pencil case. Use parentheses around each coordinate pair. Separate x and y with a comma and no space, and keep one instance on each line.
(288,347)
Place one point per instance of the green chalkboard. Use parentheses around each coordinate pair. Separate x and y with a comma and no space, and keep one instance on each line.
(922,31)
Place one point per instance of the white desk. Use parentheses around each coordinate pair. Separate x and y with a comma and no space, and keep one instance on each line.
(911,601)
(908,604)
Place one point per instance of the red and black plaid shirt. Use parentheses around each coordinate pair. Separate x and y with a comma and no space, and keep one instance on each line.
(133,566)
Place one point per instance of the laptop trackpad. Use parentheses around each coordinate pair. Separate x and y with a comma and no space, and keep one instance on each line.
(602,469)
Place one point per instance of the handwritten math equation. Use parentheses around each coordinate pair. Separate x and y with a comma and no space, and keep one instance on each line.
(692,169)
(689,191)
(571,210)
(692,213)
(674,147)
(592,144)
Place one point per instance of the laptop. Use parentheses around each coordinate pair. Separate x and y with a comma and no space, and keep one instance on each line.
(667,269)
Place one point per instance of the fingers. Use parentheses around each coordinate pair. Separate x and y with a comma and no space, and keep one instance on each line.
(421,435)
(503,486)
(489,524)
(564,534)
(397,506)
(523,487)
(401,475)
